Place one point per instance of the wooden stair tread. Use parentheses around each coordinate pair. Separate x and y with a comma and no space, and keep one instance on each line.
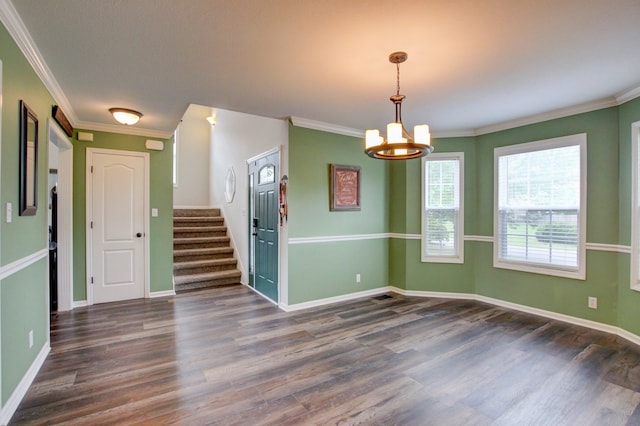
(199,228)
(200,263)
(202,255)
(209,276)
(183,240)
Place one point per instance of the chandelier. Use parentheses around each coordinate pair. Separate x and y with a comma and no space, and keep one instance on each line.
(399,144)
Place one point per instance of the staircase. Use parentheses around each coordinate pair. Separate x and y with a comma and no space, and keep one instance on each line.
(202,255)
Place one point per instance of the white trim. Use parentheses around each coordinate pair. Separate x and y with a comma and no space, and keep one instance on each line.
(20,264)
(633,338)
(89,215)
(326,127)
(452,134)
(438,294)
(609,247)
(163,293)
(278,151)
(334,299)
(480,238)
(21,390)
(123,130)
(404,236)
(628,95)
(273,302)
(274,150)
(80,304)
(547,116)
(14,25)
(337,238)
(634,273)
(65,214)
(459,256)
(578,272)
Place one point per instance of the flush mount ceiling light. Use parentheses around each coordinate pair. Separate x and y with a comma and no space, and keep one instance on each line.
(399,144)
(125,116)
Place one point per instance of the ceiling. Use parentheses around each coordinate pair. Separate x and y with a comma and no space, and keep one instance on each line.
(472,64)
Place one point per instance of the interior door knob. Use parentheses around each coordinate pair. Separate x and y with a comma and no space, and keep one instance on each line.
(139,234)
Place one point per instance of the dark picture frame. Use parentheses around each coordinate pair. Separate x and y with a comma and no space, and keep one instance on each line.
(28,161)
(344,188)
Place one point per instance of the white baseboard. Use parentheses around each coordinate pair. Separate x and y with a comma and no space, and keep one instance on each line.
(607,328)
(79,304)
(20,391)
(335,299)
(259,294)
(163,293)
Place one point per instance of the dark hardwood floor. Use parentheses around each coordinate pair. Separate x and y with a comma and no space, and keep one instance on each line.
(226,356)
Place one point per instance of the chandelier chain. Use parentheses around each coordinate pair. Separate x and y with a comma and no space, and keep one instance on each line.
(397,79)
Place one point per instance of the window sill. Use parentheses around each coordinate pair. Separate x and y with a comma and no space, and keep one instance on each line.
(536,269)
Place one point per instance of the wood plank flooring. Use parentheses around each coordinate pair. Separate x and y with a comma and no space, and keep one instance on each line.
(225,356)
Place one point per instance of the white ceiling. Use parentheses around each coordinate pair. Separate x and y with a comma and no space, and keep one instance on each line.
(472,63)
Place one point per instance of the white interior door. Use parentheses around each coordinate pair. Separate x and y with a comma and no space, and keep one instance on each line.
(117,226)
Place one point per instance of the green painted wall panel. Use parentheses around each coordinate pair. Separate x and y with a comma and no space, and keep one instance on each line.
(556,294)
(23,308)
(310,154)
(23,304)
(25,234)
(322,270)
(442,277)
(161,197)
(628,300)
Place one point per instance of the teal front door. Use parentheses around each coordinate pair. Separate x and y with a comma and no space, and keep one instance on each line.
(264,185)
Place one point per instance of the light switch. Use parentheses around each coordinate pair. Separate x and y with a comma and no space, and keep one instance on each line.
(9,212)
(154,212)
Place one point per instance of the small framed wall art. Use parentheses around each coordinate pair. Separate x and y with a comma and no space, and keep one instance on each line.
(344,188)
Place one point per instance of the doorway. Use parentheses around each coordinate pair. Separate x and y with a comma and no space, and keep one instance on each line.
(264,172)
(61,160)
(117,243)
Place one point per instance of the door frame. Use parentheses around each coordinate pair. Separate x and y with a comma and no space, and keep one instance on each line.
(89,215)
(56,136)
(251,267)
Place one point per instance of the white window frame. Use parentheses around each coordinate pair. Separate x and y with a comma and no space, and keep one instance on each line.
(635,207)
(459,257)
(578,272)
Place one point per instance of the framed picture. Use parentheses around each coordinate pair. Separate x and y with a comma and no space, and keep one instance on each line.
(344,188)
(28,161)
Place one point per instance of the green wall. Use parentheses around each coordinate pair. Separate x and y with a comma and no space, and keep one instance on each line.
(23,304)
(326,269)
(161,197)
(23,294)
(608,221)
(628,300)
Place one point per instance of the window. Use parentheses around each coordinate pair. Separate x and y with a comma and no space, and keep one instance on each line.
(540,214)
(442,212)
(635,206)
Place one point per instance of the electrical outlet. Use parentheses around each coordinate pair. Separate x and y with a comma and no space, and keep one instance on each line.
(30,338)
(593,302)
(357,278)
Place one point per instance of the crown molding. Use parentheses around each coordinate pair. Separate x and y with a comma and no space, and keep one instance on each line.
(453,134)
(628,95)
(123,130)
(326,127)
(546,116)
(14,25)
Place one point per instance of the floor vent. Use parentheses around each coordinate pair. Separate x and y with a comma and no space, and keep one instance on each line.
(383,296)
